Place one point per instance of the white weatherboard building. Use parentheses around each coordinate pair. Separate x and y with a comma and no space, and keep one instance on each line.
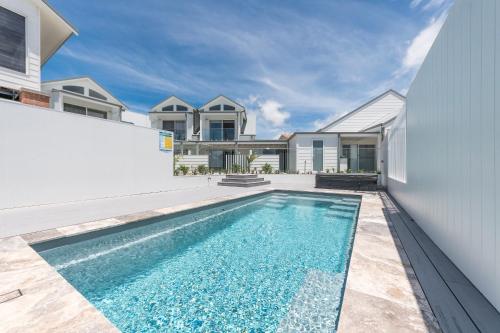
(83,96)
(30,33)
(350,143)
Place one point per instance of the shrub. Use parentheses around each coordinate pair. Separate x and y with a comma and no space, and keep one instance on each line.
(327,170)
(236,168)
(184,169)
(202,169)
(267,168)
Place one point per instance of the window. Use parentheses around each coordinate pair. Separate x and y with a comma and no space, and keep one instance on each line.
(222,130)
(168,108)
(176,126)
(85,111)
(97,113)
(215,108)
(229,108)
(74,109)
(181,108)
(12,40)
(95,94)
(75,89)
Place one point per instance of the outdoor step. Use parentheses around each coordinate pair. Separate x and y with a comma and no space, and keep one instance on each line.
(246,184)
(248,176)
(242,180)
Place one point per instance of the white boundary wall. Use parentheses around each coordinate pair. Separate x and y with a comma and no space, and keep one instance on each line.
(396,149)
(453,144)
(51,157)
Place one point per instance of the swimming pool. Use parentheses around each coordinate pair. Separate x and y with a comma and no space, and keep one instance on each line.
(271,262)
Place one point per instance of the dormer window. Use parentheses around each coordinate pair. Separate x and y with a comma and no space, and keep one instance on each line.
(181,108)
(12,41)
(229,108)
(168,108)
(215,108)
(95,94)
(75,89)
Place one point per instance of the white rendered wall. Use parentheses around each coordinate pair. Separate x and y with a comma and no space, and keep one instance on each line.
(453,144)
(48,157)
(30,79)
(136,118)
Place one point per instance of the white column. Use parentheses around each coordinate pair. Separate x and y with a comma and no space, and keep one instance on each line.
(56,100)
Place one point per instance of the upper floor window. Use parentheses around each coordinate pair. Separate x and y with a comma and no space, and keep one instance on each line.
(168,108)
(229,108)
(181,108)
(75,89)
(95,94)
(215,108)
(176,126)
(12,40)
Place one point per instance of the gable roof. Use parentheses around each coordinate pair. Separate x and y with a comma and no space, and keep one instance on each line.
(224,97)
(172,97)
(88,79)
(363,107)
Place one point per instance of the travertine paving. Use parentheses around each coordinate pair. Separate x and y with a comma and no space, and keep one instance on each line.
(381,295)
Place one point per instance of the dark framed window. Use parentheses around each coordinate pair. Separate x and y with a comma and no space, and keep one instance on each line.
(95,94)
(215,108)
(12,40)
(176,126)
(74,109)
(168,108)
(222,130)
(75,89)
(97,113)
(229,108)
(181,108)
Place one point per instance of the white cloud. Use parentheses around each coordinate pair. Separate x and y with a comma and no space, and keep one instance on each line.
(421,44)
(272,111)
(434,4)
(415,3)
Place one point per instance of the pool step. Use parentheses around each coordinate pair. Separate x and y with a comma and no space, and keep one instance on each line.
(345,204)
(319,298)
(343,209)
(274,205)
(243,181)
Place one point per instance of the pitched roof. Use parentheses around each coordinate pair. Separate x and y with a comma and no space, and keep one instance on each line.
(372,101)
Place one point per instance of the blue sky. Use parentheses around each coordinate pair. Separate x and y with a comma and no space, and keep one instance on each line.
(295,64)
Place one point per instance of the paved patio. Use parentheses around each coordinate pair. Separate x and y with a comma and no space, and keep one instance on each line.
(382,291)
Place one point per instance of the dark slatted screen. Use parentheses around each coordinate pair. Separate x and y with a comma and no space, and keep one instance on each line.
(12,41)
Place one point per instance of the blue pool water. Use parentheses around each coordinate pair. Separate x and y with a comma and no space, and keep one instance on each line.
(262,264)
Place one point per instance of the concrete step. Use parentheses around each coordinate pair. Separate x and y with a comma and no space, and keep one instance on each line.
(242,180)
(245,184)
(246,176)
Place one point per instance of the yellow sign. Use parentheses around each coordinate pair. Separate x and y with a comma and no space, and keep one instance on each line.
(166,141)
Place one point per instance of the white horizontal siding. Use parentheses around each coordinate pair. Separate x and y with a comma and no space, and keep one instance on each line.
(30,79)
(373,114)
(192,161)
(273,160)
(301,152)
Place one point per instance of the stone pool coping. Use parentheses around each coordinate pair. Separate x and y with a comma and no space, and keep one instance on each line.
(381,291)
